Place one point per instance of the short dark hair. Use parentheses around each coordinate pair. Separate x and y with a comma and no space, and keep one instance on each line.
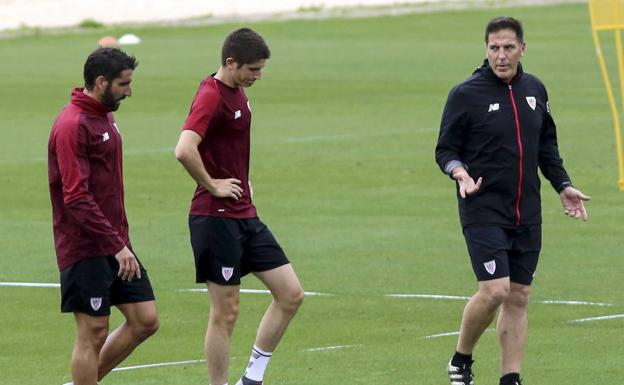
(504,22)
(245,46)
(107,62)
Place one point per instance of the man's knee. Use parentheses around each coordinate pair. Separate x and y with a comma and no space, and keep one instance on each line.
(519,295)
(495,293)
(92,336)
(145,327)
(225,314)
(290,300)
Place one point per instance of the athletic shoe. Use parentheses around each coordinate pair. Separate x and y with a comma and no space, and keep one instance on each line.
(460,375)
(246,381)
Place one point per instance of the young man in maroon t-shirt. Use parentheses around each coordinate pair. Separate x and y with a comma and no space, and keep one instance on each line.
(228,239)
(97,263)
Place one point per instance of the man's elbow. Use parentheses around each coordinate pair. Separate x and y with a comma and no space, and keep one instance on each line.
(181,153)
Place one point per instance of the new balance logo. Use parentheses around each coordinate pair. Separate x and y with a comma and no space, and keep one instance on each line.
(237,114)
(105,136)
(490,266)
(494,107)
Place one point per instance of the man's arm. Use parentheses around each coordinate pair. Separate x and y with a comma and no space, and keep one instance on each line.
(186,152)
(551,165)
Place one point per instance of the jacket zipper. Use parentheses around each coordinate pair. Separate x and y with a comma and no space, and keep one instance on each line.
(515,110)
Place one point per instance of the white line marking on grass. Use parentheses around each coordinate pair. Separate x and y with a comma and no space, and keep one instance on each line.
(29,284)
(602,318)
(324,348)
(463,298)
(157,365)
(433,296)
(257,291)
(447,334)
(583,303)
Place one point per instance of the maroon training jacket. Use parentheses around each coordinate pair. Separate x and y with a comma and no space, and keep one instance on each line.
(86,182)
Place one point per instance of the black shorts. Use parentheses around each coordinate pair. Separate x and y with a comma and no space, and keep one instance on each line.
(92,286)
(227,249)
(497,252)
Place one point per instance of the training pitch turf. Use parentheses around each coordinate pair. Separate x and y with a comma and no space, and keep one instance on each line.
(344,127)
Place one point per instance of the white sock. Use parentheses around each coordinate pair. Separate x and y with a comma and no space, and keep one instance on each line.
(258,362)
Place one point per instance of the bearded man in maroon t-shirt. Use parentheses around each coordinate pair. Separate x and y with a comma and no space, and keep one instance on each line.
(227,237)
(97,263)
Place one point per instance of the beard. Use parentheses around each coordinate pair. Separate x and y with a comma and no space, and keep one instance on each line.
(109,100)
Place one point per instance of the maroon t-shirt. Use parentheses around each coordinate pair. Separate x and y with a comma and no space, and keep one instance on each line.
(86,182)
(222,117)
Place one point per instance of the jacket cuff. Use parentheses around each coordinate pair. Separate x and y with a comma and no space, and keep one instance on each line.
(562,186)
(453,164)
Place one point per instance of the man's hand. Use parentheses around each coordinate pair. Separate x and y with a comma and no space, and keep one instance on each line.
(128,265)
(225,188)
(572,200)
(467,185)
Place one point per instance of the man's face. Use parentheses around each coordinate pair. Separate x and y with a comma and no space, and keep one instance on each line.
(247,74)
(504,51)
(117,90)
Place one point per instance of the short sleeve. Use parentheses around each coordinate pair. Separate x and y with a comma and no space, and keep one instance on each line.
(203,110)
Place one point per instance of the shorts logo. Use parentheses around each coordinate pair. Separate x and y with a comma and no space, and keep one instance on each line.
(96,303)
(227,272)
(494,107)
(531,101)
(490,266)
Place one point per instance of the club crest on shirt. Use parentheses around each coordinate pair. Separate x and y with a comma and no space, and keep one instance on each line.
(96,303)
(227,272)
(532,102)
(490,266)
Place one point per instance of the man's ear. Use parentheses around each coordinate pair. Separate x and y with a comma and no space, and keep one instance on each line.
(101,83)
(231,63)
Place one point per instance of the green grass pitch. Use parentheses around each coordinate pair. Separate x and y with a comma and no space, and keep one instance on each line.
(344,127)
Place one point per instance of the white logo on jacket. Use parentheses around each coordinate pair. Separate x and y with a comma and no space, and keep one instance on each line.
(490,266)
(532,102)
(494,107)
(105,136)
(237,114)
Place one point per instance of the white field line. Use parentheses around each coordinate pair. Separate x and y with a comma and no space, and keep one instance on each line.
(257,291)
(580,303)
(295,139)
(173,363)
(602,318)
(447,334)
(432,296)
(324,348)
(463,298)
(157,365)
(29,284)
(319,294)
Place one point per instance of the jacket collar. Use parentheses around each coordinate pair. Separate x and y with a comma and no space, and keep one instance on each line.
(87,103)
(486,70)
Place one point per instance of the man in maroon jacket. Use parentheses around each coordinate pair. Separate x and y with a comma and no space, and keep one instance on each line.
(228,239)
(98,267)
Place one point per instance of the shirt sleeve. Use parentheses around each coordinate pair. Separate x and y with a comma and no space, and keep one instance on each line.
(203,110)
(550,163)
(452,131)
(72,157)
